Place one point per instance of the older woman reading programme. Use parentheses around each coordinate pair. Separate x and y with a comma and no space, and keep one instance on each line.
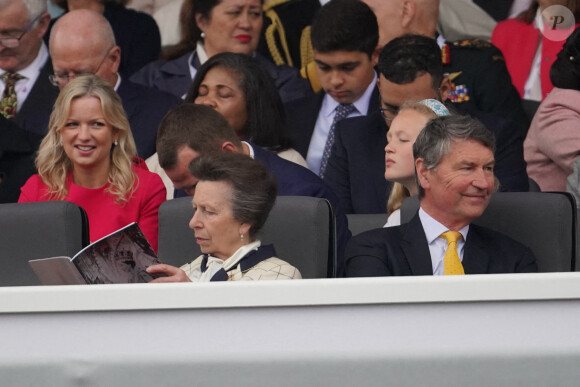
(88,157)
(232,200)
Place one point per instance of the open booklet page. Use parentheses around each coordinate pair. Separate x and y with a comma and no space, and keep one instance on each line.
(120,257)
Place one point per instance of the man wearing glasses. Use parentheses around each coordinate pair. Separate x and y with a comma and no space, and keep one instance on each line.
(82,42)
(410,68)
(26,93)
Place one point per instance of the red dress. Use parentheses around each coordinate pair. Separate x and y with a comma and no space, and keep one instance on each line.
(518,42)
(106,216)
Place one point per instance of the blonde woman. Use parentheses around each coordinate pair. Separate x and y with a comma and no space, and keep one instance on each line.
(399,161)
(88,157)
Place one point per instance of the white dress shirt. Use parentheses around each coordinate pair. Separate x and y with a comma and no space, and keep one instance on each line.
(437,246)
(533,86)
(324,122)
(30,74)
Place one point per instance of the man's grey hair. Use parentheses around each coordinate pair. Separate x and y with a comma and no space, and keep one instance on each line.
(435,140)
(35,8)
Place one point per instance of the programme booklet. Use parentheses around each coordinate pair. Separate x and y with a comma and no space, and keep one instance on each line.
(120,257)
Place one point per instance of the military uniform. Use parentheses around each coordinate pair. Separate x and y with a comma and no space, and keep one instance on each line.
(478,72)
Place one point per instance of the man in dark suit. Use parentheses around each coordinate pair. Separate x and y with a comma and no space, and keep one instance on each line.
(454,166)
(189,131)
(410,68)
(23,53)
(344,38)
(82,42)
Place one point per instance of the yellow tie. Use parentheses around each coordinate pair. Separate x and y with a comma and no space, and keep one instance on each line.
(451,262)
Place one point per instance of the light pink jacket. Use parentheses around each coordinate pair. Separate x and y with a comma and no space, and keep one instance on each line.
(553,141)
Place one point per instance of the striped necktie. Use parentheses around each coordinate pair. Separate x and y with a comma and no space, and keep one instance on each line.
(342,111)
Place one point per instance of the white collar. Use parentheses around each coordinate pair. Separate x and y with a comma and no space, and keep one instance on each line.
(329,104)
(433,229)
(34,68)
(236,257)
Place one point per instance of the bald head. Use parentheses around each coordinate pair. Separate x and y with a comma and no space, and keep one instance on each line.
(400,17)
(82,42)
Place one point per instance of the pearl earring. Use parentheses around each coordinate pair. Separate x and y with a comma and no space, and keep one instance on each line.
(202,34)
(242,237)
(116,142)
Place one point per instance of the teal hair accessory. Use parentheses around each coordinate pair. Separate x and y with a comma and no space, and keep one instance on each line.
(437,107)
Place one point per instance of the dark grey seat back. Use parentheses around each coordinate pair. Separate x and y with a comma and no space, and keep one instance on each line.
(300,228)
(38,230)
(543,221)
(358,223)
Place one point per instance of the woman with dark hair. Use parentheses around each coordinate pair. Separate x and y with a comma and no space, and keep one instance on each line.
(553,141)
(241,91)
(528,52)
(232,200)
(210,27)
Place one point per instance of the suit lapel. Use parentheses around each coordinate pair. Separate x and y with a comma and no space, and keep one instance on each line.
(475,258)
(303,123)
(128,95)
(415,248)
(35,112)
(374,102)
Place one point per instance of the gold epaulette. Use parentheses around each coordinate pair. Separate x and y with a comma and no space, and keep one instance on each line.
(276,27)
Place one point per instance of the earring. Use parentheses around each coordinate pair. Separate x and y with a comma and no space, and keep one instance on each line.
(202,34)
(242,237)
(60,142)
(116,142)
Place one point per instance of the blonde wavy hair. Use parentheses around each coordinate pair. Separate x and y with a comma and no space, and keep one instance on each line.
(399,192)
(53,163)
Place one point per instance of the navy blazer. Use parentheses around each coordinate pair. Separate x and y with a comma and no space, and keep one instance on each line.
(174,77)
(301,116)
(145,108)
(295,180)
(356,167)
(403,250)
(34,114)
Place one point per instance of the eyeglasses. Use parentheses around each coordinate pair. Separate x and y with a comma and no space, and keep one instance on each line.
(13,42)
(388,113)
(62,77)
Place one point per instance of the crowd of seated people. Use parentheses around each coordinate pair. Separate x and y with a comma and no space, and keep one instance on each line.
(88,96)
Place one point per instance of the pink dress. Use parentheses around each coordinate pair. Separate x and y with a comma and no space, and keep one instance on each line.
(106,216)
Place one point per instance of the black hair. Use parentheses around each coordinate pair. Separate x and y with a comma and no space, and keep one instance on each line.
(266,124)
(189,31)
(348,25)
(565,71)
(407,57)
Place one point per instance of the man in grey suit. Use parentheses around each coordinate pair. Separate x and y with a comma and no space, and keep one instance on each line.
(454,167)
